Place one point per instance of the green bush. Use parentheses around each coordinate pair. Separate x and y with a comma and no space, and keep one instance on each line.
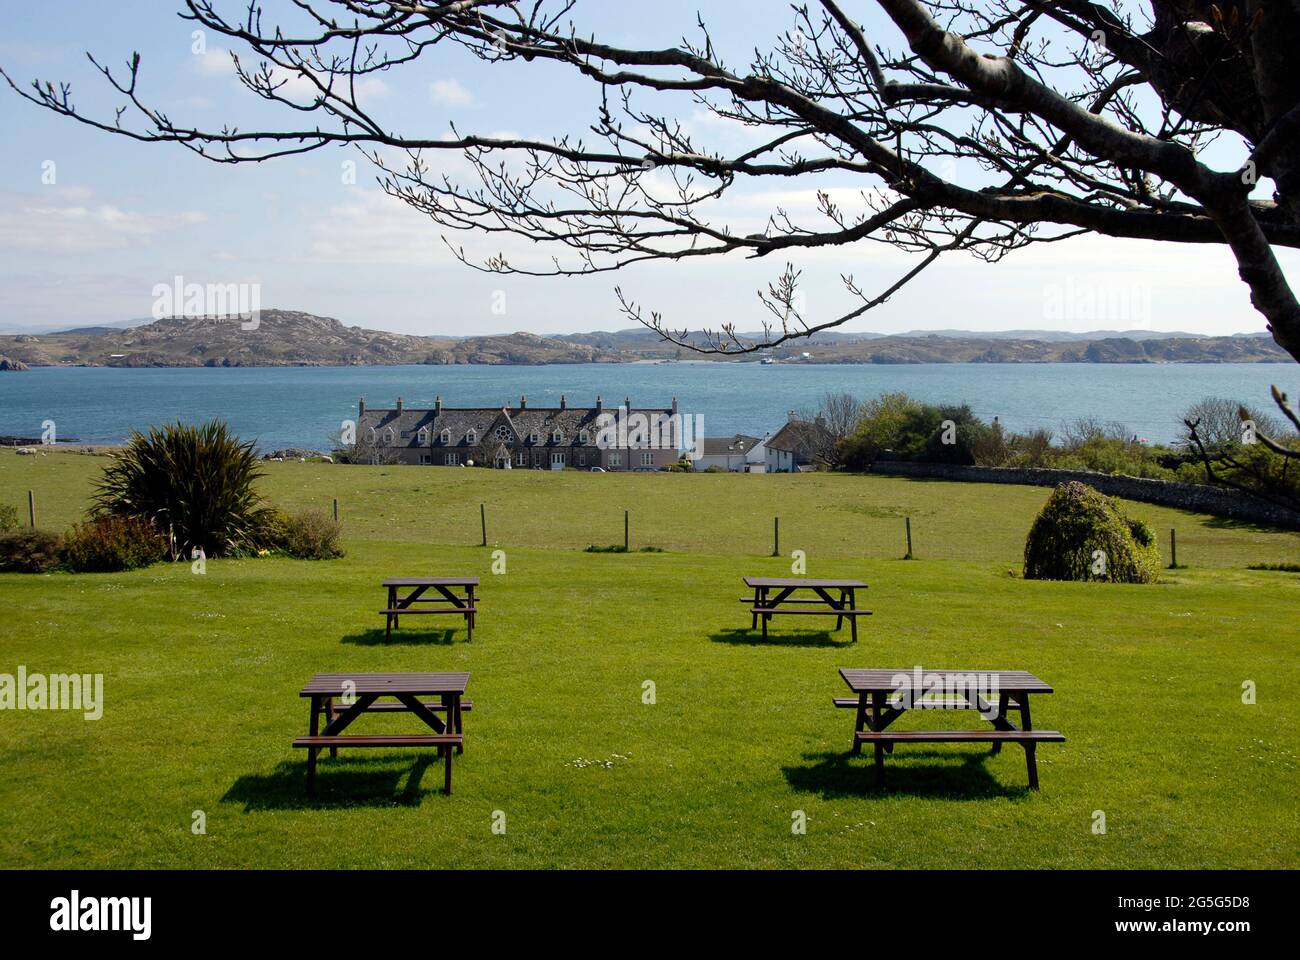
(8,517)
(108,544)
(30,551)
(194,482)
(311,535)
(1082,534)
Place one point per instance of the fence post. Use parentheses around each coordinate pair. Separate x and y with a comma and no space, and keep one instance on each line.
(31,508)
(626,542)
(776,536)
(336,509)
(908,522)
(1173,549)
(482,517)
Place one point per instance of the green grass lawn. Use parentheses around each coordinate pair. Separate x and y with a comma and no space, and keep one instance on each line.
(202,674)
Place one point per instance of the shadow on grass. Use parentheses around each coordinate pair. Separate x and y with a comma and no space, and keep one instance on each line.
(754,638)
(1250,526)
(376,638)
(843,775)
(341,782)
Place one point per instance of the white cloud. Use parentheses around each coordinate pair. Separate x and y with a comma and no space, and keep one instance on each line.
(450,93)
(30,222)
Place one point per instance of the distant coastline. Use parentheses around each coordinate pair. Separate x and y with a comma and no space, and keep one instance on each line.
(285,338)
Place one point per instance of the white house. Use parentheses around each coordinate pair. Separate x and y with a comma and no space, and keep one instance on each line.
(736,454)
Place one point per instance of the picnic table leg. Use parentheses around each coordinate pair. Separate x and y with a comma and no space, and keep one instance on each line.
(446,777)
(451,706)
(313,729)
(853,617)
(329,717)
(388,617)
(759,595)
(1003,703)
(469,614)
(1031,760)
(860,721)
(877,706)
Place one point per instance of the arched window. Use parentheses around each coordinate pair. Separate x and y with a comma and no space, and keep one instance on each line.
(471,436)
(504,434)
(446,436)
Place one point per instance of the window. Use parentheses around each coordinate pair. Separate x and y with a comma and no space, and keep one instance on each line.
(504,434)
(582,458)
(452,459)
(647,459)
(389,437)
(615,458)
(423,436)
(534,437)
(521,459)
(471,437)
(425,458)
(584,437)
(557,459)
(557,437)
(446,437)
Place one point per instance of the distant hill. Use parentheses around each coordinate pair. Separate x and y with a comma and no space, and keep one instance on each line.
(293,338)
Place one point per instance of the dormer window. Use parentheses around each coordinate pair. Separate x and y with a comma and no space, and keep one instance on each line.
(389,436)
(557,437)
(371,436)
(446,437)
(584,437)
(471,436)
(534,437)
(423,436)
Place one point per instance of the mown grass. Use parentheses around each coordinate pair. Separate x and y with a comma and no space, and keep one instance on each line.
(202,673)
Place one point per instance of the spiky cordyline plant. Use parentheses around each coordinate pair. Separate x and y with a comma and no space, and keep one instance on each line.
(194,481)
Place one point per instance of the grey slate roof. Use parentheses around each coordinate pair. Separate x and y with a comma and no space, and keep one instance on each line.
(729,446)
(484,422)
(804,438)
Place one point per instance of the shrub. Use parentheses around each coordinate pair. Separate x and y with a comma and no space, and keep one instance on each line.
(1077,522)
(30,551)
(108,544)
(8,517)
(311,535)
(194,482)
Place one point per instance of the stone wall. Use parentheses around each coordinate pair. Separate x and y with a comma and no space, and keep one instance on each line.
(1187,496)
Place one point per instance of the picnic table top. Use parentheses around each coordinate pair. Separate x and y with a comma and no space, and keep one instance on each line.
(431,582)
(1008,681)
(389,684)
(781,582)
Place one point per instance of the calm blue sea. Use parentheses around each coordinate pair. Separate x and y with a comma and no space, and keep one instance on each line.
(303,406)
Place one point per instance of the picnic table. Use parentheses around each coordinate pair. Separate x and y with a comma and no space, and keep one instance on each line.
(456,592)
(881,696)
(342,697)
(775,595)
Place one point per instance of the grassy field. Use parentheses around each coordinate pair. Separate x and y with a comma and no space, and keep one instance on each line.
(202,674)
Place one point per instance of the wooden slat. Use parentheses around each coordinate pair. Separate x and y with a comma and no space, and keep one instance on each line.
(960,736)
(385,684)
(431,582)
(424,611)
(388,740)
(823,611)
(796,582)
(1007,681)
(435,705)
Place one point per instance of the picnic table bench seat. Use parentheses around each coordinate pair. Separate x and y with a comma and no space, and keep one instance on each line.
(443,741)
(819,612)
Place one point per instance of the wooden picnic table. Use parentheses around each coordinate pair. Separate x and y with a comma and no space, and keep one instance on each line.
(883,695)
(456,592)
(342,697)
(774,595)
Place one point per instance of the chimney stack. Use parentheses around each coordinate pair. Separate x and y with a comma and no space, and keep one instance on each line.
(794,415)
(600,404)
(437,406)
(399,404)
(564,404)
(674,406)
(361,407)
(523,402)
(627,402)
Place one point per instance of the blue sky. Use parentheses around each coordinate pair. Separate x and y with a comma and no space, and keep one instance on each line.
(122,217)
